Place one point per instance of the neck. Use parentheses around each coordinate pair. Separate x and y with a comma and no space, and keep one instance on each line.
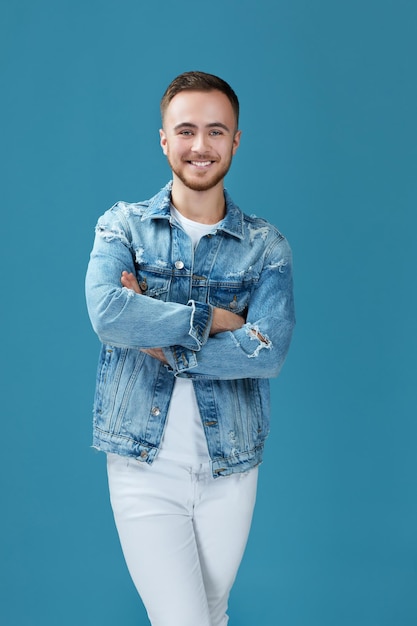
(207,207)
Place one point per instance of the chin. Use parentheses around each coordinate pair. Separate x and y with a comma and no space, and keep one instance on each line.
(201,184)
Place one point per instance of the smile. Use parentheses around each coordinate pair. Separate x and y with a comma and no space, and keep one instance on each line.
(201,163)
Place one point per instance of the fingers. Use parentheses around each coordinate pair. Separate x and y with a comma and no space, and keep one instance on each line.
(156,353)
(225,320)
(129,281)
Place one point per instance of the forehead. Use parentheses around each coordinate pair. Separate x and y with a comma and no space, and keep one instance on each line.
(200,107)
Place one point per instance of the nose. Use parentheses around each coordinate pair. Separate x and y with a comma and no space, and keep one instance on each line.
(200,143)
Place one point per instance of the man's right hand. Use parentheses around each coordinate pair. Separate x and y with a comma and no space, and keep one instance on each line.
(129,281)
(222,320)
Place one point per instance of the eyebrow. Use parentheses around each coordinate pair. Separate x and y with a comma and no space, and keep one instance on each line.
(211,125)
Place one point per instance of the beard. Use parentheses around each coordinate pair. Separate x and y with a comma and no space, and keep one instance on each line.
(206,182)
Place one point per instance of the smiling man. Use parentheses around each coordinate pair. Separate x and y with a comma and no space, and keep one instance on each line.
(200,154)
(192,301)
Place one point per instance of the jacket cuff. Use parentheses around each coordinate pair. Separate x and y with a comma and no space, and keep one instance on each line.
(180,359)
(201,320)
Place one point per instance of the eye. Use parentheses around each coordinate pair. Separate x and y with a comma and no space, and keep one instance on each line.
(215,133)
(186,133)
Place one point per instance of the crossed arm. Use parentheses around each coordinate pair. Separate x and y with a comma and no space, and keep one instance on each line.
(195,339)
(222,320)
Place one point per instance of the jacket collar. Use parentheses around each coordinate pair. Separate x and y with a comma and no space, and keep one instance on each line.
(160,207)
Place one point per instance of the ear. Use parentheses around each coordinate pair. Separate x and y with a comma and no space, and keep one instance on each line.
(236,141)
(163,141)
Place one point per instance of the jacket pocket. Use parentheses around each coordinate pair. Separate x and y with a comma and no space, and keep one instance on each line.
(153,284)
(232,298)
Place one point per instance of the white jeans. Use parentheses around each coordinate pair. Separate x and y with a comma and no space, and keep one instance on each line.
(183,534)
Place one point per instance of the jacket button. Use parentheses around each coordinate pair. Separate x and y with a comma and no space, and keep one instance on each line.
(144,454)
(155,411)
(233,303)
(179,265)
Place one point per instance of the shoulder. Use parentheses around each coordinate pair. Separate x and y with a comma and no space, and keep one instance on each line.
(116,222)
(252,229)
(258,229)
(125,211)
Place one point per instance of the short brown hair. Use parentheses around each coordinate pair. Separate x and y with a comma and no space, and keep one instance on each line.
(199,81)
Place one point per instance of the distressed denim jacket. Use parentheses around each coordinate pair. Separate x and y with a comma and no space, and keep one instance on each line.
(243,266)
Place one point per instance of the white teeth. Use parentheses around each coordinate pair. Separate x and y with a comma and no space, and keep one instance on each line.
(201,163)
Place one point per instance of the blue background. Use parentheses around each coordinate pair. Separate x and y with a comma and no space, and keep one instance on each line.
(328,96)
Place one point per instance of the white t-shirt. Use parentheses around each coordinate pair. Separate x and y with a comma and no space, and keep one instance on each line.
(184,438)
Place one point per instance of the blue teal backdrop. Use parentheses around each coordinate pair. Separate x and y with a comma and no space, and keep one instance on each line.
(329,100)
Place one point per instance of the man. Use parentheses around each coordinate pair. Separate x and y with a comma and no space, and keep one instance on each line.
(193,303)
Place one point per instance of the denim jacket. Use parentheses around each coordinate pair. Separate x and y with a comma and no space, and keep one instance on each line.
(243,266)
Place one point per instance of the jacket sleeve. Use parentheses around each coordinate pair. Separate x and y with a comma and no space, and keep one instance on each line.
(259,348)
(123,318)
